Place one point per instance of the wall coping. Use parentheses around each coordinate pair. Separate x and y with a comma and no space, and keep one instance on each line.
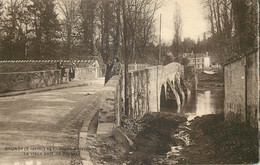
(148,68)
(5,73)
(92,67)
(236,58)
(85,131)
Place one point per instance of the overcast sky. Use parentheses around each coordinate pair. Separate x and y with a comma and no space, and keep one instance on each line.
(194,23)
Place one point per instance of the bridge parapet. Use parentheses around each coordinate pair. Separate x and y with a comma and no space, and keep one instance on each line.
(15,81)
(145,88)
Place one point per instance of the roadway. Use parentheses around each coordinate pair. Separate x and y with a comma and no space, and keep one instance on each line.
(42,128)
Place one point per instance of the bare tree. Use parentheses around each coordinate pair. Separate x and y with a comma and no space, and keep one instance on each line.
(177,31)
(140,24)
(140,19)
(69,16)
(220,16)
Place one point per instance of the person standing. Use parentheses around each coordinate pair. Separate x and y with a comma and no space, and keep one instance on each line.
(72,71)
(62,67)
(116,67)
(109,67)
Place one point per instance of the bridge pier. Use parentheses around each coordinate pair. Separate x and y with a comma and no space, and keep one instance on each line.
(181,91)
(176,94)
(145,88)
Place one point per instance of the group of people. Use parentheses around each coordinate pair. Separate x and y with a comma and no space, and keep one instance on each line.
(113,68)
(72,67)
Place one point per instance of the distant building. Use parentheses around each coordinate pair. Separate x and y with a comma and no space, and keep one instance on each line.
(200,60)
(215,66)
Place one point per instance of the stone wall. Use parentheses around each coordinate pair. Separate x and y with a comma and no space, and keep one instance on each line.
(241,103)
(145,88)
(16,81)
(135,66)
(29,80)
(88,73)
(115,92)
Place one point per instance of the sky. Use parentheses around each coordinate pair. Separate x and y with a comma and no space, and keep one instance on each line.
(193,19)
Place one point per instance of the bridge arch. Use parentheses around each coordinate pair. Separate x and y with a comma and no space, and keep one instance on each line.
(157,86)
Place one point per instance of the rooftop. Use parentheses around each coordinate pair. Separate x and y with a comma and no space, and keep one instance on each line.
(198,55)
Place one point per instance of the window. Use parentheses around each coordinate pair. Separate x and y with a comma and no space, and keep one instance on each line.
(202,59)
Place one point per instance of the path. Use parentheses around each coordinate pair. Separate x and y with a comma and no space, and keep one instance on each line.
(45,122)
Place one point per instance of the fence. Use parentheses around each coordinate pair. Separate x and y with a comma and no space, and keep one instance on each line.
(46,61)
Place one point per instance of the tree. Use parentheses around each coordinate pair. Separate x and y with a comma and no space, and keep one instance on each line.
(177,31)
(188,45)
(246,23)
(233,26)
(69,18)
(106,28)
(140,18)
(88,25)
(140,25)
(45,27)
(14,29)
(220,16)
(83,28)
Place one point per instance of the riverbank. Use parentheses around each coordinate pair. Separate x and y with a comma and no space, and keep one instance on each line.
(166,138)
(169,138)
(210,81)
(214,141)
(151,135)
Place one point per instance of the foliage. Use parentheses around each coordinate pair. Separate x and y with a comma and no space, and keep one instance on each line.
(233,26)
(176,43)
(76,29)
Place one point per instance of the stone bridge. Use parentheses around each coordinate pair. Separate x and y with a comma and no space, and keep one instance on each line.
(153,87)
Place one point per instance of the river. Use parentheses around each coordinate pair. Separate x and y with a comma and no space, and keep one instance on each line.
(204,102)
(200,103)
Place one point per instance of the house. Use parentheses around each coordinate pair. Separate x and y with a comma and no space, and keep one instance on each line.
(200,61)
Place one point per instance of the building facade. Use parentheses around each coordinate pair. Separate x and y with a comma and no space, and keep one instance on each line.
(200,61)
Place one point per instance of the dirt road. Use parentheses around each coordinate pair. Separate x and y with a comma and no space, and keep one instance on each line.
(41,128)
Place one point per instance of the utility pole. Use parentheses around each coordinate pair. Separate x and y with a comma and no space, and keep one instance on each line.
(126,59)
(160,38)
(196,78)
(246,80)
(134,35)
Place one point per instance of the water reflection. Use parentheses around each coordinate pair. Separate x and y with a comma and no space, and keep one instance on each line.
(203,103)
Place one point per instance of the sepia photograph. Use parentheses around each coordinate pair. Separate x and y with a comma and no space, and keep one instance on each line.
(129,82)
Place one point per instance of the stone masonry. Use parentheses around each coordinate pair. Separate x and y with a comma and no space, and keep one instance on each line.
(241,89)
(145,88)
